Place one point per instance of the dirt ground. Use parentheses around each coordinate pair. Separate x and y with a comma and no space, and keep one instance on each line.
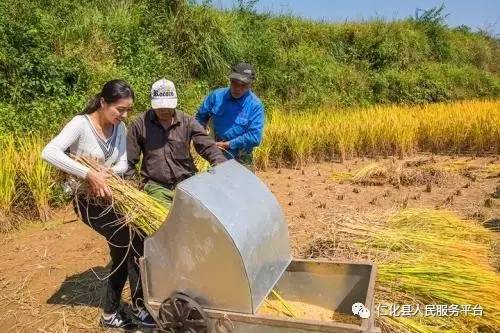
(49,272)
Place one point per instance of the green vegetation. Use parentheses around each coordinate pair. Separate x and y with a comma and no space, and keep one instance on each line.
(55,55)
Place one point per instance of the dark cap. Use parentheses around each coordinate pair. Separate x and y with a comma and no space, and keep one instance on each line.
(243,72)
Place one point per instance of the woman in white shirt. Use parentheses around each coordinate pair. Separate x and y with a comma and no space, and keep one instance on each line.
(98,132)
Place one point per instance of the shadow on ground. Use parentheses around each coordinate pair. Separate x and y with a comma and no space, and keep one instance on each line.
(83,289)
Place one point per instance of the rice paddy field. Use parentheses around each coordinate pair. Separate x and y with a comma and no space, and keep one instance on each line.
(415,190)
(329,134)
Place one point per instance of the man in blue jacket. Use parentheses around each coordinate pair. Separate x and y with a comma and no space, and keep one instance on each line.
(237,115)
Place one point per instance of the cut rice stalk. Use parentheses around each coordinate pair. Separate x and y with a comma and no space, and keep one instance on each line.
(140,211)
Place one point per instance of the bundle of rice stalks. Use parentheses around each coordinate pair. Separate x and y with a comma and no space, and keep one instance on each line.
(140,211)
(493,170)
(342,176)
(378,174)
(442,260)
(462,168)
(455,166)
(420,162)
(412,173)
(434,258)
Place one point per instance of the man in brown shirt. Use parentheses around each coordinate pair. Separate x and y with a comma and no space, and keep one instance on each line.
(163,135)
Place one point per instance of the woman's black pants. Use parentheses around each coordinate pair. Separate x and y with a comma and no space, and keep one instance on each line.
(125,247)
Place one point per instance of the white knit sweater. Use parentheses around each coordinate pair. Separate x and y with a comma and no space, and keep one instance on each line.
(80,136)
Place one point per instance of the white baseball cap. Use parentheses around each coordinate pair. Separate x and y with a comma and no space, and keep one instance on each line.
(163,95)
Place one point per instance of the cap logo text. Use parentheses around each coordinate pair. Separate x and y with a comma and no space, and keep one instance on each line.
(157,93)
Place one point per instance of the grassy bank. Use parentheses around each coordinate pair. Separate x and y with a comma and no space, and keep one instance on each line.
(54,56)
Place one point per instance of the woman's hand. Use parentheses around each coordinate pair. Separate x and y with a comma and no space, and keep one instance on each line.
(97,182)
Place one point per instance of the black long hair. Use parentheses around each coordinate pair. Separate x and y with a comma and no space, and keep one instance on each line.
(111,92)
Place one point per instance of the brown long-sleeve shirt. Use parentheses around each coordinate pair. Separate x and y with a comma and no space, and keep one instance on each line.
(166,153)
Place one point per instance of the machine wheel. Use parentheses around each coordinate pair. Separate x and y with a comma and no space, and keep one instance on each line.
(181,314)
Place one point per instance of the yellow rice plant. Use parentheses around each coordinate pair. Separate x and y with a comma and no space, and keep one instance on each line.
(277,146)
(262,154)
(327,138)
(430,257)
(346,138)
(466,125)
(296,138)
(36,174)
(7,178)
(301,150)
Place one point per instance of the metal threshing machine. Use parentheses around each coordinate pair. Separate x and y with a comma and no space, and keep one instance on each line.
(222,250)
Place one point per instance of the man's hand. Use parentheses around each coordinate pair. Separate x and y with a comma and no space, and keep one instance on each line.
(223,144)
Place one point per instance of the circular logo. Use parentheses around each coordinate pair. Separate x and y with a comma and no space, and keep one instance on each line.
(360,310)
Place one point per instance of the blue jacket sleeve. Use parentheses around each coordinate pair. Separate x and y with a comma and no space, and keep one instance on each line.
(203,114)
(253,136)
